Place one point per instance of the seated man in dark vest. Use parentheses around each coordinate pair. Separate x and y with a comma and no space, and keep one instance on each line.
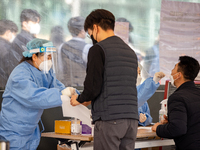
(72,56)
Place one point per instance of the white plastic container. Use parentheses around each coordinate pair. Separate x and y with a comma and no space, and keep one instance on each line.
(76,127)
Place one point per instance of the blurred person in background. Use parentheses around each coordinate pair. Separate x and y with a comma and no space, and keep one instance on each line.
(30,27)
(139,54)
(122,19)
(8,30)
(73,54)
(57,36)
(151,60)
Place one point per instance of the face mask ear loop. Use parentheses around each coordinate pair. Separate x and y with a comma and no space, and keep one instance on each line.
(174,75)
(179,75)
(37,63)
(39,59)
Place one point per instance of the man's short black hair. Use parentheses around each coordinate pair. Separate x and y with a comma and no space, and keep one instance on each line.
(6,25)
(189,67)
(101,17)
(29,15)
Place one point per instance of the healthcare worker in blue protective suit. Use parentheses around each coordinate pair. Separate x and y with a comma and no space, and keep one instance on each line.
(145,91)
(31,88)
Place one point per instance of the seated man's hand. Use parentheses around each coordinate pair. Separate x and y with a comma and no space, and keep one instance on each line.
(69,91)
(155,126)
(73,100)
(165,120)
(142,117)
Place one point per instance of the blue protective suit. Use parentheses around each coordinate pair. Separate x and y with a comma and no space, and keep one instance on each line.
(28,92)
(145,91)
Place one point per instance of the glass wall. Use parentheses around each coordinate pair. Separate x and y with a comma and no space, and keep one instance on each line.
(144,16)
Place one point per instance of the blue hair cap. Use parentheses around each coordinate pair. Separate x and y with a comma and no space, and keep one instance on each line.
(35,44)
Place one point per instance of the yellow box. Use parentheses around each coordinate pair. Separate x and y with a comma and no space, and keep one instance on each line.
(62,126)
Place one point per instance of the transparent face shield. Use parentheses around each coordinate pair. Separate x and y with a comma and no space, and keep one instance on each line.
(142,74)
(48,59)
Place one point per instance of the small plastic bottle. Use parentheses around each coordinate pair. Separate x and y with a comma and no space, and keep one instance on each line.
(161,112)
(76,127)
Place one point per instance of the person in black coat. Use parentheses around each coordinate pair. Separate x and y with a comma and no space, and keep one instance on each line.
(183,120)
(8,30)
(29,19)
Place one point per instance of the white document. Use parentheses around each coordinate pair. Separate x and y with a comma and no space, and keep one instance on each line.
(81,112)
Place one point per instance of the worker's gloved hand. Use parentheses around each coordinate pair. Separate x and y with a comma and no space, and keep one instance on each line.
(142,117)
(69,91)
(158,76)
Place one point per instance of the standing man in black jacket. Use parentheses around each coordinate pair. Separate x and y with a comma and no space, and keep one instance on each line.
(29,19)
(110,85)
(8,30)
(183,121)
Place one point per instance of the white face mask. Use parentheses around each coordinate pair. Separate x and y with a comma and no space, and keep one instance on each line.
(12,39)
(45,66)
(172,79)
(35,28)
(139,79)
